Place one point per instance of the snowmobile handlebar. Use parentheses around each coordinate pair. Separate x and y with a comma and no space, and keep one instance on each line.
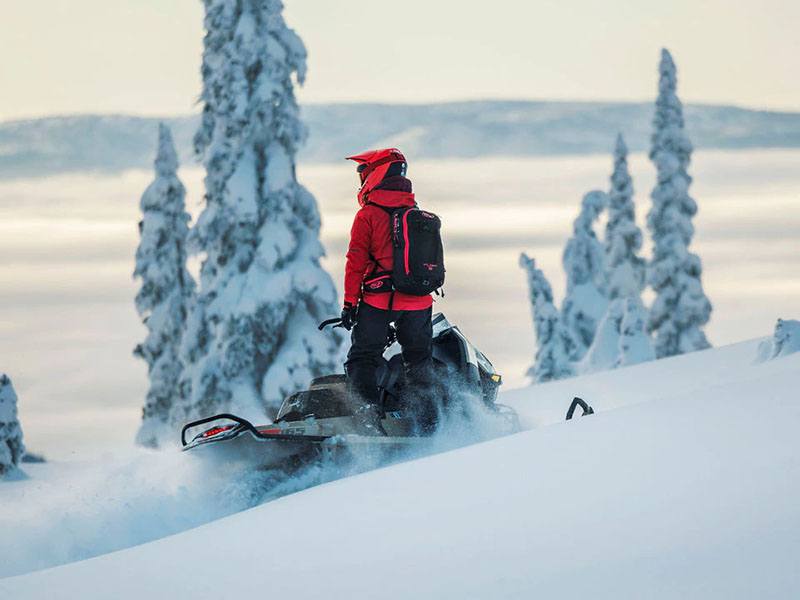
(336,322)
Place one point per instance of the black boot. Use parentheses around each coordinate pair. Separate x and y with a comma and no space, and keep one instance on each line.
(423,397)
(368,420)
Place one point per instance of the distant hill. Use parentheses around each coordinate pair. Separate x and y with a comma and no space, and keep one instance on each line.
(456,129)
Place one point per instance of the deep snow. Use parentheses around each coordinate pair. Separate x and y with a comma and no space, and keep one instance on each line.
(685,484)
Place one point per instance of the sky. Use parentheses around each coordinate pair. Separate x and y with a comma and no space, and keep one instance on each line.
(143,56)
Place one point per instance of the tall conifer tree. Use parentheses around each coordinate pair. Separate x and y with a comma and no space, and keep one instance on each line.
(554,342)
(625,269)
(585,302)
(11,446)
(253,335)
(166,292)
(681,308)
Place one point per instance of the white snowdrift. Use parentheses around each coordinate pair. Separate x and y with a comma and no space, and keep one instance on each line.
(691,490)
(785,340)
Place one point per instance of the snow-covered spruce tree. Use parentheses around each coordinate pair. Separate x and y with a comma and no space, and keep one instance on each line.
(681,308)
(253,336)
(11,447)
(585,302)
(635,345)
(621,339)
(166,292)
(603,354)
(785,340)
(554,343)
(625,269)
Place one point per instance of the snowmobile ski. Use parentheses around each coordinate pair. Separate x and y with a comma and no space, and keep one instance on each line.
(579,402)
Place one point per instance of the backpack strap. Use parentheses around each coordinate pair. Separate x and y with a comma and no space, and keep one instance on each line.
(376,271)
(379,281)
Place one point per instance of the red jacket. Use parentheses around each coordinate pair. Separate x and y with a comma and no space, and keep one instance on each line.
(371,238)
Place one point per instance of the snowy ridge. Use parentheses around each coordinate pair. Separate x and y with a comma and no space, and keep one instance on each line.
(458,129)
(689,490)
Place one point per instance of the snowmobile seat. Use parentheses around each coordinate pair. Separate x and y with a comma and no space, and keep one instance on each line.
(320,401)
(328,380)
(447,350)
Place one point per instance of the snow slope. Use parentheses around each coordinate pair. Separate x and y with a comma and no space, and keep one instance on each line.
(686,484)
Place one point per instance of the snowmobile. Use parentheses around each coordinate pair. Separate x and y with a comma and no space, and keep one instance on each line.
(320,419)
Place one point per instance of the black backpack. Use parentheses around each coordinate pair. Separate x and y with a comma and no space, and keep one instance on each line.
(418,254)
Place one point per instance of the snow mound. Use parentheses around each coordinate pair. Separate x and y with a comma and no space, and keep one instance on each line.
(689,490)
(785,341)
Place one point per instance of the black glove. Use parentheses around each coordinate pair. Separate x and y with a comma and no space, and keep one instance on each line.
(349,316)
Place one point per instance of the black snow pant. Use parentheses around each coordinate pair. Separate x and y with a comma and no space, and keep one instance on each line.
(415,335)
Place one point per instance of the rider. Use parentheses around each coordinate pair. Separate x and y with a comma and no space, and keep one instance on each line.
(370,303)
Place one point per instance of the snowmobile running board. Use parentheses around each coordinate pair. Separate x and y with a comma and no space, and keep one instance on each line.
(576,402)
(245,425)
(281,445)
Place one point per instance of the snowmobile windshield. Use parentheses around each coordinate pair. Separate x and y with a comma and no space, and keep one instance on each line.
(484,363)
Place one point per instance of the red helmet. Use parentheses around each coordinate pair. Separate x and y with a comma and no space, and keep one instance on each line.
(372,168)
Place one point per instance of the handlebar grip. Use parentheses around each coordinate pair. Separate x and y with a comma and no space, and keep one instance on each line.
(335,322)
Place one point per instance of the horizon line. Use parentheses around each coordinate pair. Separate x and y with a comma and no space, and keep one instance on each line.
(485,100)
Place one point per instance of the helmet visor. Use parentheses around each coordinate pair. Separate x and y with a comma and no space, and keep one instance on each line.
(362,172)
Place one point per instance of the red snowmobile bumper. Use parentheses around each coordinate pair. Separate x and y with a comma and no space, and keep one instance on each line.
(220,433)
